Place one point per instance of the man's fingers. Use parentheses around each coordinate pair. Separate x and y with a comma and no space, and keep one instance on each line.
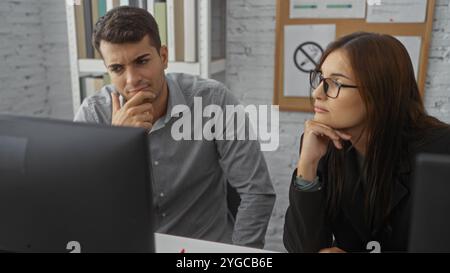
(140,98)
(144,117)
(137,110)
(146,125)
(115,102)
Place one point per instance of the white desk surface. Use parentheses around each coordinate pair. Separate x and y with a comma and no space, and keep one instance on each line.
(175,244)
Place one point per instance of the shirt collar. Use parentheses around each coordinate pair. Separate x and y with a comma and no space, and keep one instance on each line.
(176,97)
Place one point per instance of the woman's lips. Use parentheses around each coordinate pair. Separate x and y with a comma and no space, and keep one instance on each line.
(319,110)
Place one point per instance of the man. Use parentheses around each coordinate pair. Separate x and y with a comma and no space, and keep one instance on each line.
(190,177)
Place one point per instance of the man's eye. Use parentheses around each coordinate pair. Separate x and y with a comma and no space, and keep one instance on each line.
(116,69)
(142,61)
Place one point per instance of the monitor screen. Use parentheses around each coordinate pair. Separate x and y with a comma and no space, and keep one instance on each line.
(430,222)
(73,187)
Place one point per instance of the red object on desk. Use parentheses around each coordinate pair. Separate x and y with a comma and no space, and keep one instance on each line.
(182,250)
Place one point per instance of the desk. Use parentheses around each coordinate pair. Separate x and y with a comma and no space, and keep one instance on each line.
(174,244)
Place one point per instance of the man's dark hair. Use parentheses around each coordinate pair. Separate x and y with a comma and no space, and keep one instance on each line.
(126,25)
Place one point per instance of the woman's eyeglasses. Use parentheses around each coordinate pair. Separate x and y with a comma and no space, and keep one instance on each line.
(331,87)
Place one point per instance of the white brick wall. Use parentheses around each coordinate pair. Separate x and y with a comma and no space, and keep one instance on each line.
(437,94)
(218,31)
(34,73)
(250,71)
(56,54)
(218,34)
(22,77)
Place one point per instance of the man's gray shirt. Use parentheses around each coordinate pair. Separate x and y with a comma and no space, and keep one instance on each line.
(190,176)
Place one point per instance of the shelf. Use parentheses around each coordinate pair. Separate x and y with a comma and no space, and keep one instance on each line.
(205,67)
(91,66)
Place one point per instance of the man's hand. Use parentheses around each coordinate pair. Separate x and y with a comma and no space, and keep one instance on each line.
(137,112)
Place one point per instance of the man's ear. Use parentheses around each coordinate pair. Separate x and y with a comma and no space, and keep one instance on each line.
(164,53)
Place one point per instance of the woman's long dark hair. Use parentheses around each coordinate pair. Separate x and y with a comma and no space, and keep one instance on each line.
(395,115)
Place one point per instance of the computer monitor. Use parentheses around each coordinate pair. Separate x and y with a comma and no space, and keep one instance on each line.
(66,187)
(430,222)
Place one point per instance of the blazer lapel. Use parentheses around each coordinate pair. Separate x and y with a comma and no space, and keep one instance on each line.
(400,190)
(353,197)
(402,182)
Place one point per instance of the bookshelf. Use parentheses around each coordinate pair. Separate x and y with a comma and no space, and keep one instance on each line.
(205,66)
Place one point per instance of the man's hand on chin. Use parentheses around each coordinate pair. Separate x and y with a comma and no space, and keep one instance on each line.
(137,112)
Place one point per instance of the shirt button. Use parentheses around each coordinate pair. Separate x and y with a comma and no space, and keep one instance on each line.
(161,195)
(163,214)
(156,163)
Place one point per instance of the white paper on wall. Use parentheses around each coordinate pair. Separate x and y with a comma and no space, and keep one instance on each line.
(327,9)
(396,11)
(413,45)
(303,47)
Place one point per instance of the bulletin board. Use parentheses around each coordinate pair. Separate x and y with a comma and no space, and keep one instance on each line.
(343,26)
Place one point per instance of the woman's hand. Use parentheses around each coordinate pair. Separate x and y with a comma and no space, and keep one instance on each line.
(332,250)
(315,142)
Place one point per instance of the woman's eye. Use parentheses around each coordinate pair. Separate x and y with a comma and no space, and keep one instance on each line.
(337,82)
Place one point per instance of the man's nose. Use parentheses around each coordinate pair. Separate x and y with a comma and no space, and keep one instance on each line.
(133,78)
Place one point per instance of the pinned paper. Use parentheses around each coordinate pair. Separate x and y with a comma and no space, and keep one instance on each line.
(303,48)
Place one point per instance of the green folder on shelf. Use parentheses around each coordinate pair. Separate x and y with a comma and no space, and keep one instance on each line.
(161,19)
(101,8)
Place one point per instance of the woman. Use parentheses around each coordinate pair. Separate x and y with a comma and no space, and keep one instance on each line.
(353,178)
